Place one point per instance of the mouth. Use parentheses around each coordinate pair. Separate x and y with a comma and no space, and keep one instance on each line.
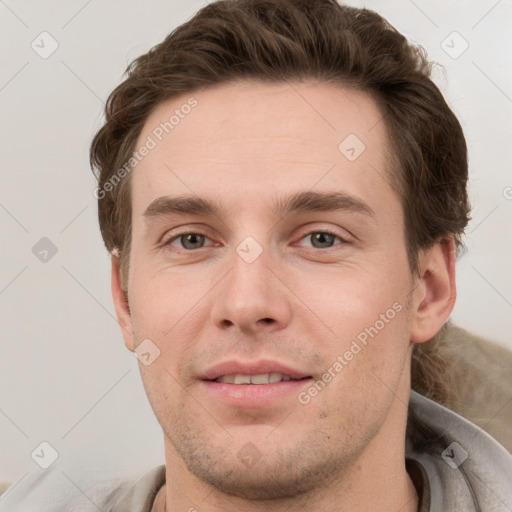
(260,379)
(253,384)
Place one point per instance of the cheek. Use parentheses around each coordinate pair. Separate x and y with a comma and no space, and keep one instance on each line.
(165,394)
(350,299)
(168,310)
(368,322)
(162,298)
(365,366)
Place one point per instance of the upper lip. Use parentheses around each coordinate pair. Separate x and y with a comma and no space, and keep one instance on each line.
(260,367)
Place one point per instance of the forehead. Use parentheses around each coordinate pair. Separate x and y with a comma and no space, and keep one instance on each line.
(258,138)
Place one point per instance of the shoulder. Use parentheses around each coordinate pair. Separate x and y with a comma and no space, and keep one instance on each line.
(467,468)
(62,490)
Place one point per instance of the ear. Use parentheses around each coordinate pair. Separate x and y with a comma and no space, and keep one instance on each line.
(435,292)
(121,305)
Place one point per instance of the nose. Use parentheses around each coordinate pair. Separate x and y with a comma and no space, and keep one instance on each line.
(253,297)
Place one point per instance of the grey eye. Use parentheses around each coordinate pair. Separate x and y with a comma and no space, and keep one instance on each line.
(189,241)
(322,239)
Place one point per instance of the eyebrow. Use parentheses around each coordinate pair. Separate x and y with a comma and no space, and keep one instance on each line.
(299,202)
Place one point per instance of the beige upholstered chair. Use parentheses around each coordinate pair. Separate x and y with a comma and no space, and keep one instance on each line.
(470,375)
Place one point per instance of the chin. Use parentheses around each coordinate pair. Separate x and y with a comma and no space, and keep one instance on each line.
(259,484)
(270,471)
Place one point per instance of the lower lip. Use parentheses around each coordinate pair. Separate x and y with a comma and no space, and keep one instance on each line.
(254,395)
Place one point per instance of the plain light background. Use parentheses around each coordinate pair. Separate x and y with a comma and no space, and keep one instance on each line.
(65,375)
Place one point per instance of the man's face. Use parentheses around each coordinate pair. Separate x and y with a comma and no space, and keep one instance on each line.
(256,291)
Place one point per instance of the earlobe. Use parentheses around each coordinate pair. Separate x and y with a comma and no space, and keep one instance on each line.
(121,305)
(435,295)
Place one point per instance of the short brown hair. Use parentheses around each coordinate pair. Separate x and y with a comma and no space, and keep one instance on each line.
(280,40)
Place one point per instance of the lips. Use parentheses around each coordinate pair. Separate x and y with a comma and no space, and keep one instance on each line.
(253,385)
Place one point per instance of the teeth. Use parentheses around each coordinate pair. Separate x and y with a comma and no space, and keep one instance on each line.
(242,379)
(274,377)
(260,379)
(263,378)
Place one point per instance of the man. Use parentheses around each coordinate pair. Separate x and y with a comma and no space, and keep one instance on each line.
(283,190)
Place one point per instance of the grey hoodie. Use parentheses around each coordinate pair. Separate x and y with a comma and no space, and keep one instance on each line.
(461,467)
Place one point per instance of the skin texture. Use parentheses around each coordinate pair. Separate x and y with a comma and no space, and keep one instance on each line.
(302,301)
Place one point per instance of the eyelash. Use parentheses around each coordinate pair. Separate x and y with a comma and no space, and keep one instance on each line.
(323,231)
